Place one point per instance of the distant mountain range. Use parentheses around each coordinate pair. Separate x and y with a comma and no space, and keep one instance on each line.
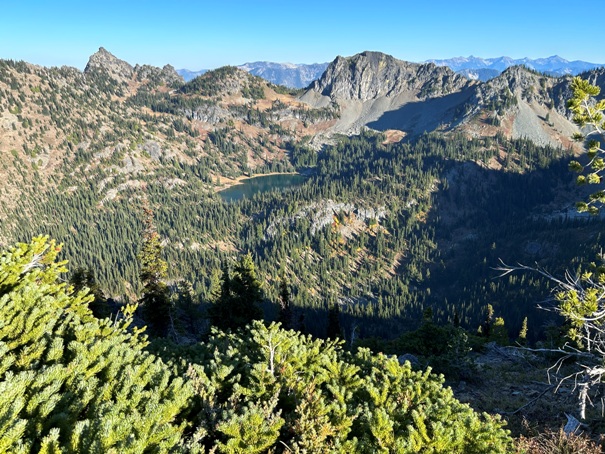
(487,68)
(474,68)
(190,75)
(287,74)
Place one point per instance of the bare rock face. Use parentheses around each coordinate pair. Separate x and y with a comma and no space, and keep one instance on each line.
(371,75)
(378,91)
(104,61)
(158,76)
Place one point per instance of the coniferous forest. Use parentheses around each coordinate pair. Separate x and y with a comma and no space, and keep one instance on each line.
(140,311)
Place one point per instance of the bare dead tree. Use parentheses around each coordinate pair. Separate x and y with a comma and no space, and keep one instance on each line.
(580,299)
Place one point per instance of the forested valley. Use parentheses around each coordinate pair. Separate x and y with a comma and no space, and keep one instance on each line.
(272,323)
(378,230)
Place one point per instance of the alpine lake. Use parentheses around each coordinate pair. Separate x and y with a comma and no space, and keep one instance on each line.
(248,187)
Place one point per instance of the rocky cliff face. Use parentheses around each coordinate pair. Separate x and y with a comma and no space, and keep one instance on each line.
(524,104)
(104,61)
(377,90)
(166,75)
(371,75)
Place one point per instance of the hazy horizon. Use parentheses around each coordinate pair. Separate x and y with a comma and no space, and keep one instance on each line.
(201,35)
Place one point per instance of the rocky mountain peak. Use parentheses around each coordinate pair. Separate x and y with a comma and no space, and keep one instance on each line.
(103,60)
(531,86)
(371,75)
(166,75)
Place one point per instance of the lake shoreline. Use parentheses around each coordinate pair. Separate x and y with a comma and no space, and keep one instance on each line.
(230,182)
(227,182)
(247,187)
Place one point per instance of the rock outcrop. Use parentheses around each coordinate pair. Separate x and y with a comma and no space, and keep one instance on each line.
(371,75)
(104,61)
(121,71)
(378,91)
(166,75)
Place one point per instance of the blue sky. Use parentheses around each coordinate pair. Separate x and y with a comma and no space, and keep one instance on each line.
(201,35)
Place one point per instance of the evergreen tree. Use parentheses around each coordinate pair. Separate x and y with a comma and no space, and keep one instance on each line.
(267,388)
(155,301)
(73,383)
(186,319)
(522,339)
(285,311)
(588,113)
(498,332)
(83,278)
(486,326)
(241,294)
(214,290)
(334,330)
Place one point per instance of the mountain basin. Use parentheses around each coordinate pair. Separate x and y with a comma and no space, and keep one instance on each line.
(248,187)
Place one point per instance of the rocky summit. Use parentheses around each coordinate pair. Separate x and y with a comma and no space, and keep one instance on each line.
(105,61)
(371,75)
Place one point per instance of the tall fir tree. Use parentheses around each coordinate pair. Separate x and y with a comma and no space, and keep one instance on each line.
(155,301)
(522,339)
(334,330)
(83,278)
(214,289)
(285,310)
(486,326)
(241,294)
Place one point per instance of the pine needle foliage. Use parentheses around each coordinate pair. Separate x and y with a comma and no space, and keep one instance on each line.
(70,382)
(588,115)
(155,302)
(73,383)
(272,390)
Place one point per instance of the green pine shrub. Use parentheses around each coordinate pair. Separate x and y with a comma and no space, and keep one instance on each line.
(267,387)
(70,382)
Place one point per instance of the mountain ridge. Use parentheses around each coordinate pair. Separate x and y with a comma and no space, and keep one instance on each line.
(553,65)
(96,145)
(381,92)
(300,75)
(290,75)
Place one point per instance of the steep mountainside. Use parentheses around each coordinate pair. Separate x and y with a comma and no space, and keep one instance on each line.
(382,223)
(521,103)
(378,91)
(369,84)
(114,124)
